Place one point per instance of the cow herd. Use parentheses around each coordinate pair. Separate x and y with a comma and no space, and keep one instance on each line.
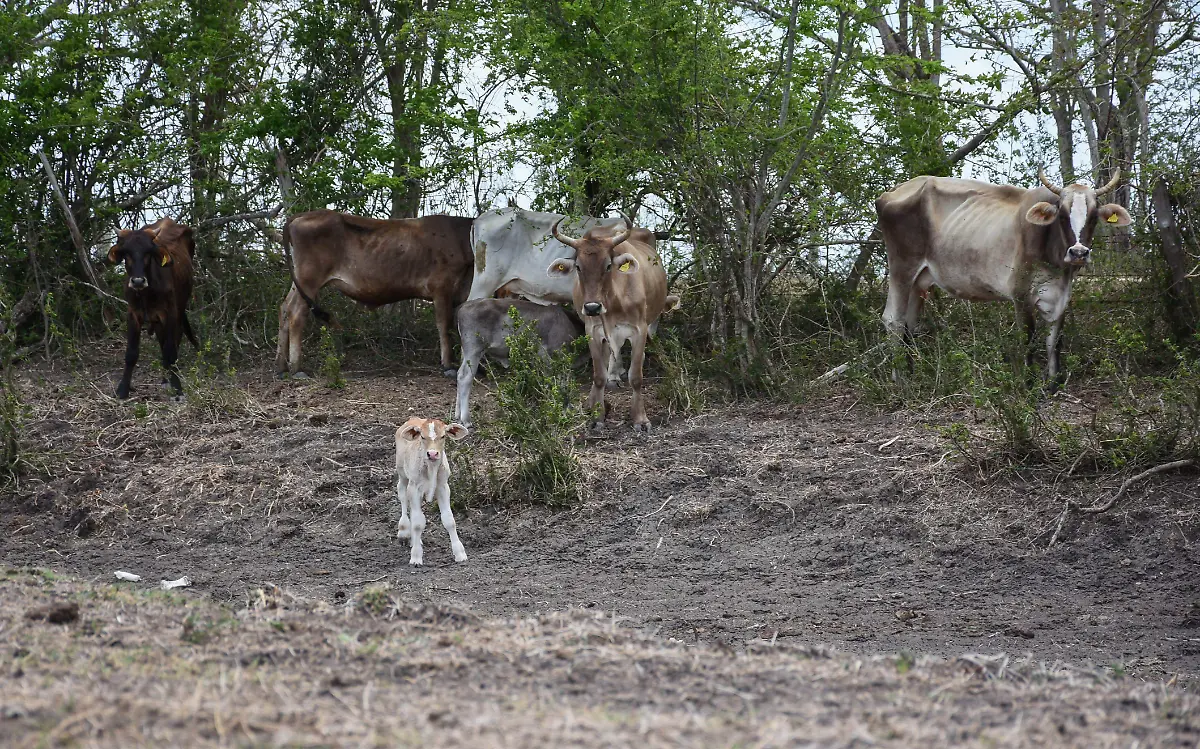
(975,240)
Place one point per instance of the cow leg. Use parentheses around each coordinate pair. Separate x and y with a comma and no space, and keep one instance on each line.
(168,340)
(896,313)
(133,340)
(297,313)
(281,351)
(416,556)
(466,377)
(1053,351)
(600,355)
(636,359)
(443,500)
(443,310)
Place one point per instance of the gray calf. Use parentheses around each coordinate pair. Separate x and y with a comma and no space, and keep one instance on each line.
(483,324)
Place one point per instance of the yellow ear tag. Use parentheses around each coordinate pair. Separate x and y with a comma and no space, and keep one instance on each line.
(1114,218)
(166,259)
(625,267)
(562,268)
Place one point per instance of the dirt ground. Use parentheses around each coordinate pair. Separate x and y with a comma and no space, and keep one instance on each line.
(124,665)
(831,524)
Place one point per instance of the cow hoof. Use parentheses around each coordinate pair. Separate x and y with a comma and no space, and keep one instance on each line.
(416,563)
(178,398)
(281,375)
(452,373)
(300,376)
(460,558)
(612,385)
(643,428)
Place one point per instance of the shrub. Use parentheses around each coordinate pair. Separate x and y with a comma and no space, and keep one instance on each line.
(330,368)
(538,420)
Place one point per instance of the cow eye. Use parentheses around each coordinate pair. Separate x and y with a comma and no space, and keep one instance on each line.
(608,266)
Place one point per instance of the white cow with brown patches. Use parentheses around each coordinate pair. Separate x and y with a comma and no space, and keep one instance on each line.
(422,473)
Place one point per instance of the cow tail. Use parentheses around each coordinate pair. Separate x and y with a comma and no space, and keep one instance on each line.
(187,330)
(316,309)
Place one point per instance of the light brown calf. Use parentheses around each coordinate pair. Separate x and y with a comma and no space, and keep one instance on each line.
(423,473)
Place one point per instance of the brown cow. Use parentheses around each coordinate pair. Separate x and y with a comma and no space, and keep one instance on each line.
(158,264)
(621,289)
(374,262)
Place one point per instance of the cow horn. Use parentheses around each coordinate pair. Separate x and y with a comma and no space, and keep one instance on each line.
(1112,183)
(1049,185)
(573,243)
(628,230)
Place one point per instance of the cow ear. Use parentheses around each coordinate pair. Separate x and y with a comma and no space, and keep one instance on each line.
(1115,215)
(114,254)
(561,267)
(456,431)
(409,432)
(164,254)
(626,263)
(672,303)
(1042,213)
(190,240)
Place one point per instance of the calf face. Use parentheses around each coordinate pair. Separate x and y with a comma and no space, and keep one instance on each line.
(432,434)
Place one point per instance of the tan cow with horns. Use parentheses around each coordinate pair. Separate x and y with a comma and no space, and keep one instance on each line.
(985,242)
(620,289)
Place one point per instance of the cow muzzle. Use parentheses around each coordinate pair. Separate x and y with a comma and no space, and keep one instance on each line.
(1078,254)
(137,283)
(591,309)
(433,454)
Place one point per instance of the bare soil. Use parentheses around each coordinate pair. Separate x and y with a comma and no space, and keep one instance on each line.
(828,524)
(140,667)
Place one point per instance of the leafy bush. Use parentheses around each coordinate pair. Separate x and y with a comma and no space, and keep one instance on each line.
(539,418)
(330,368)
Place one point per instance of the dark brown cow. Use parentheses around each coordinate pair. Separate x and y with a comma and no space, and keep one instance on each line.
(158,266)
(374,262)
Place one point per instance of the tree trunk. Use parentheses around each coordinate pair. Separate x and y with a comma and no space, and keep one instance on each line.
(1183,310)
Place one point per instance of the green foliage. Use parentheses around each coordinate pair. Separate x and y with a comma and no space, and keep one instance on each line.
(331,361)
(540,417)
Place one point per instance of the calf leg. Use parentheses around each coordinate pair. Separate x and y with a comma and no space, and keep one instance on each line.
(466,377)
(443,310)
(404,527)
(443,500)
(133,340)
(636,359)
(416,555)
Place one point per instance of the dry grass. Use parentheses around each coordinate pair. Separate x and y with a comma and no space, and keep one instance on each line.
(143,667)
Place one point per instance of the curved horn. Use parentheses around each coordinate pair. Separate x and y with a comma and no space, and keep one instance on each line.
(572,243)
(1047,183)
(1112,183)
(625,234)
